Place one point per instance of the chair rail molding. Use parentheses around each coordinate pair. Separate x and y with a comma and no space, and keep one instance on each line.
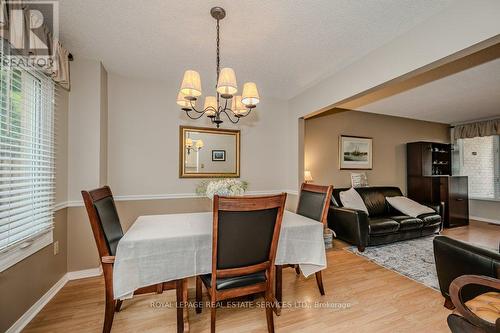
(136,197)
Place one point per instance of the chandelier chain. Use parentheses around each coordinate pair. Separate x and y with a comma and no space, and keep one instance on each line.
(218,50)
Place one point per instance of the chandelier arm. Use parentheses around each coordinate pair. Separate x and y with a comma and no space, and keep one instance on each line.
(195,117)
(194,109)
(247,113)
(229,117)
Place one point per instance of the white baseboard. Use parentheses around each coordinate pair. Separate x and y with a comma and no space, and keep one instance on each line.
(482,219)
(86,273)
(24,320)
(38,306)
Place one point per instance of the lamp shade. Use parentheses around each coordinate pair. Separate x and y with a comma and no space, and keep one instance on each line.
(191,84)
(199,144)
(237,106)
(227,82)
(307,176)
(250,95)
(182,101)
(189,142)
(211,105)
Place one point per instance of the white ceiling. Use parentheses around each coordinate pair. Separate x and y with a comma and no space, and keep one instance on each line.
(283,45)
(468,95)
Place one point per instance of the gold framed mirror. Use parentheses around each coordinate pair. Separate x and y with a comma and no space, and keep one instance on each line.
(209,153)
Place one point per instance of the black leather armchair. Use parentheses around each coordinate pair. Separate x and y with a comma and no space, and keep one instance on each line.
(383,224)
(455,258)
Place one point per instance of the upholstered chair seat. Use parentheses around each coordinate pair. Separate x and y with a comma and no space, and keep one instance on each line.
(486,306)
(235,281)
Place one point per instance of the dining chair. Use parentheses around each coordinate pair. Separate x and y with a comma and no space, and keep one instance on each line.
(314,202)
(480,314)
(108,231)
(244,243)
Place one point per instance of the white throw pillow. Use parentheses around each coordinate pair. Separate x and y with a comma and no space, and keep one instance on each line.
(351,199)
(408,206)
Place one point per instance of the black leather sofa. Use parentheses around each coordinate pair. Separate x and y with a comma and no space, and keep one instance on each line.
(455,258)
(383,224)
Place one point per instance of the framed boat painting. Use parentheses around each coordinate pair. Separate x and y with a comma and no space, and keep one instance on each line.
(355,153)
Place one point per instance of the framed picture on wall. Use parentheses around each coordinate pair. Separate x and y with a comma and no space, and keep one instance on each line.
(355,153)
(218,155)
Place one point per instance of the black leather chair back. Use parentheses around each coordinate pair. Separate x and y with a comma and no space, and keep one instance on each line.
(311,204)
(244,237)
(110,222)
(103,219)
(373,197)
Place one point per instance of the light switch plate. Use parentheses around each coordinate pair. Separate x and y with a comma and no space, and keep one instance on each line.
(56,247)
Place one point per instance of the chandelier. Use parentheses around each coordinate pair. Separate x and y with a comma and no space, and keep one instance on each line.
(226,100)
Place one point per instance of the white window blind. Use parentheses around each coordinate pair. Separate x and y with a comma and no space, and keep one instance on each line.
(27,172)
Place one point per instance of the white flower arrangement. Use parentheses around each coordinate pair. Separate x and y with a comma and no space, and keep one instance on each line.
(224,187)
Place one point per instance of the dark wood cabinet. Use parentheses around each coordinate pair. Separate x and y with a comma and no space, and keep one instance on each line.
(430,181)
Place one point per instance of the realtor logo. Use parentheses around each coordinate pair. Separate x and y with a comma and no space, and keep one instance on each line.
(30,28)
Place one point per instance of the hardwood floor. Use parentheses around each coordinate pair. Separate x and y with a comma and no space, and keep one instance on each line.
(360,297)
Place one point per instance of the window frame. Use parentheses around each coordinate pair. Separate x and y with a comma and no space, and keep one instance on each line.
(35,242)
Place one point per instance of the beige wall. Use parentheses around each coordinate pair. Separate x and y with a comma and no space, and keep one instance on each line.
(143,132)
(390,134)
(86,144)
(24,283)
(143,135)
(103,126)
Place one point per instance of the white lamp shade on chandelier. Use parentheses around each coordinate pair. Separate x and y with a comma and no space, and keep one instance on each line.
(237,106)
(227,82)
(182,101)
(210,105)
(250,95)
(191,84)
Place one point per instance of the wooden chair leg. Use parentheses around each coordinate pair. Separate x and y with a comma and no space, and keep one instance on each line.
(269,318)
(269,311)
(213,309)
(109,312)
(319,281)
(278,284)
(109,309)
(297,269)
(182,310)
(199,296)
(118,305)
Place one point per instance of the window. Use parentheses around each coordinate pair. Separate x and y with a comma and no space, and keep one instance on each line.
(26,162)
(479,159)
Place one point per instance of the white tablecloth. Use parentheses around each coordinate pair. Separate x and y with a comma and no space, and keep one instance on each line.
(161,248)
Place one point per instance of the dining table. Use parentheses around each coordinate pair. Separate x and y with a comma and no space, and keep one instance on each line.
(162,248)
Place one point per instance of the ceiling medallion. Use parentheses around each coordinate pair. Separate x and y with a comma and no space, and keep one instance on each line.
(226,101)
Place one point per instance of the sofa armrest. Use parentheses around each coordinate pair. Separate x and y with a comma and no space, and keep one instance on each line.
(350,225)
(455,258)
(439,208)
